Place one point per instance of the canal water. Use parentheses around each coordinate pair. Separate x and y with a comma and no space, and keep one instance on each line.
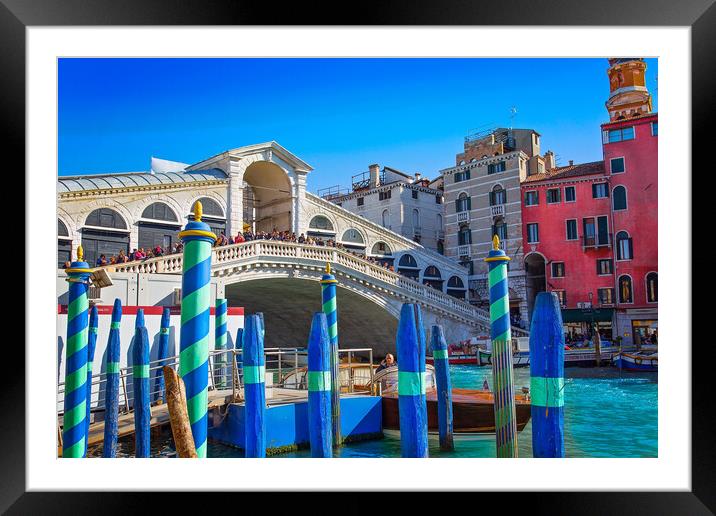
(607,414)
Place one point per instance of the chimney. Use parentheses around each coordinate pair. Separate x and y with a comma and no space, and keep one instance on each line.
(549,160)
(417,177)
(571,162)
(374,170)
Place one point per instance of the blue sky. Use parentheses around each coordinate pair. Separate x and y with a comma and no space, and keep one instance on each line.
(339,115)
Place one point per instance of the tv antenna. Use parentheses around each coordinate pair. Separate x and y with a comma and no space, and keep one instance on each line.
(513,113)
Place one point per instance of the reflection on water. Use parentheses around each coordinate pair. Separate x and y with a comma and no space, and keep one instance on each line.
(607,414)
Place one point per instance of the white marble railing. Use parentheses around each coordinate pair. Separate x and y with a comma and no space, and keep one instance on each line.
(289,252)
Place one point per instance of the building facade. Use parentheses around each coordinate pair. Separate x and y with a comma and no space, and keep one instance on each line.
(482,198)
(590,230)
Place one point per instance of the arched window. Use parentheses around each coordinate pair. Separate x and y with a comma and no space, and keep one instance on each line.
(209,207)
(107,234)
(407,266)
(498,196)
(159,211)
(105,218)
(625,246)
(464,236)
(385,218)
(163,234)
(652,287)
(456,287)
(455,282)
(432,277)
(500,229)
(416,219)
(432,272)
(625,290)
(381,249)
(619,198)
(352,236)
(462,203)
(64,245)
(321,223)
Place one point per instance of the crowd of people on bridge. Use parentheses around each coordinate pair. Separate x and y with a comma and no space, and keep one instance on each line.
(142,253)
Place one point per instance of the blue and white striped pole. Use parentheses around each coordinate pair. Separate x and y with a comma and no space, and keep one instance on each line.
(443,387)
(91,346)
(320,428)
(162,354)
(140,383)
(254,387)
(111,396)
(411,382)
(220,326)
(547,377)
(74,429)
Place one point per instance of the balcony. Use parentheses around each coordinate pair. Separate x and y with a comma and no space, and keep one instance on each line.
(497,210)
(463,216)
(594,241)
(463,251)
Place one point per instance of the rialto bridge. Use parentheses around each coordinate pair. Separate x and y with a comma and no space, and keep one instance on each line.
(261,187)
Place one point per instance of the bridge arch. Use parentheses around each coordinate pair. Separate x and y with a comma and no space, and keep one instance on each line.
(271,195)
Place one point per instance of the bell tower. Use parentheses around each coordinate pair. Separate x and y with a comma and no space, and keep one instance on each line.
(628,96)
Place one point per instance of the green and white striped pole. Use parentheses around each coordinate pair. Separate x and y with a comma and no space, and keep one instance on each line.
(194,340)
(330,308)
(74,429)
(500,332)
(220,326)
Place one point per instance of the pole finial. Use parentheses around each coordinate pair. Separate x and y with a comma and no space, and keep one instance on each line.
(198,211)
(495,243)
(328,267)
(80,253)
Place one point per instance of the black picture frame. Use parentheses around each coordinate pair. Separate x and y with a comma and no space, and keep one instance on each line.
(700,15)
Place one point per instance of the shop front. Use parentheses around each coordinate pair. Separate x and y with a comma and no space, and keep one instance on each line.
(580,323)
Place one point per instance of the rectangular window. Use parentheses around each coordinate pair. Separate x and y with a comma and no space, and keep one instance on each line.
(415,194)
(532,233)
(532,198)
(570,194)
(553,196)
(382,196)
(606,296)
(558,269)
(361,201)
(462,176)
(562,296)
(605,267)
(618,135)
(625,249)
(616,165)
(496,167)
(655,128)
(438,199)
(589,231)
(572,229)
(464,237)
(600,190)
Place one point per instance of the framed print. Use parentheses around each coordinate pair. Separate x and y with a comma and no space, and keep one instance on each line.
(425,247)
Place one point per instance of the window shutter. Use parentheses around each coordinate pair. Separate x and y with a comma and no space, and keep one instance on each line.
(631,248)
(457,204)
(469,203)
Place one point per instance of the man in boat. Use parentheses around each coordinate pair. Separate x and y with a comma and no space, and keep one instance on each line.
(485,385)
(388,361)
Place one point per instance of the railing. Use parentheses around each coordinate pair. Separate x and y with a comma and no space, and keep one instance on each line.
(226,373)
(463,216)
(497,210)
(463,250)
(596,241)
(270,250)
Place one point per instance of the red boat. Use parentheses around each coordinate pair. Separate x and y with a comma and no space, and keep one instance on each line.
(456,359)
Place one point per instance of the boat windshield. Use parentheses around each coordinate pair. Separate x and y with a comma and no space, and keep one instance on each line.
(387,379)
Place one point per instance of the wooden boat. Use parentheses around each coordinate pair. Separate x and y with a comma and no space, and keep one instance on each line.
(473,410)
(585,357)
(458,358)
(638,361)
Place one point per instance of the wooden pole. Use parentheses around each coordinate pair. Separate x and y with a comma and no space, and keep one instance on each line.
(444,389)
(178,414)
(320,429)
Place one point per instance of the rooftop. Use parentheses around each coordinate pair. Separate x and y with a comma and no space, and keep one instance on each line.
(581,169)
(134,179)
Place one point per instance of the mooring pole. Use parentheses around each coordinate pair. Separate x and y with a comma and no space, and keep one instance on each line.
(74,429)
(444,388)
(411,382)
(140,385)
(500,332)
(547,377)
(254,367)
(162,354)
(91,346)
(111,396)
(220,326)
(319,388)
(194,340)
(330,308)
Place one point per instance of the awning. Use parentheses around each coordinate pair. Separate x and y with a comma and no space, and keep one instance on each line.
(573,315)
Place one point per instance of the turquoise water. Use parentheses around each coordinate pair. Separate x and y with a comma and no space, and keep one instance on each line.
(607,414)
